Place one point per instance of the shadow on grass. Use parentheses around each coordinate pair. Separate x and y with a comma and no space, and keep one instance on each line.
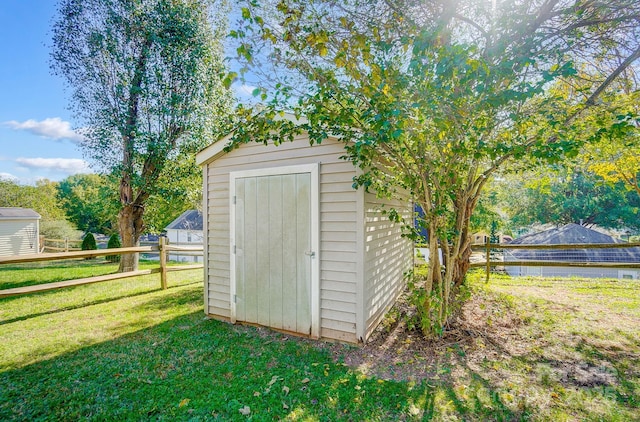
(191,368)
(12,276)
(83,304)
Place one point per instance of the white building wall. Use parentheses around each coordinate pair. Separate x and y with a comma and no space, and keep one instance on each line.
(581,272)
(185,238)
(19,237)
(338,230)
(387,255)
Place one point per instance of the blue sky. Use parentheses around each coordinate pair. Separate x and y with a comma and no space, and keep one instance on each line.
(36,139)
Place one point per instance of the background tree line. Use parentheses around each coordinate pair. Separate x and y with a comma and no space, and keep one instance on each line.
(85,203)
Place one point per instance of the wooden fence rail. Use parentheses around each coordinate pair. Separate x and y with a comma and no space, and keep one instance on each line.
(162,248)
(61,245)
(488,263)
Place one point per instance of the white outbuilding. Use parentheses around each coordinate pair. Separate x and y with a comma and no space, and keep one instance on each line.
(186,230)
(291,245)
(19,231)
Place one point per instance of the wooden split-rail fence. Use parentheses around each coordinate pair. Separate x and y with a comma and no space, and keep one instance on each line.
(489,263)
(162,249)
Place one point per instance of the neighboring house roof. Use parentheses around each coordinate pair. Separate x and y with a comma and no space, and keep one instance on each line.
(14,213)
(572,234)
(188,220)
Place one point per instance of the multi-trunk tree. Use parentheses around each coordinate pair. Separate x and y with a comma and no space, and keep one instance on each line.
(146,85)
(436,97)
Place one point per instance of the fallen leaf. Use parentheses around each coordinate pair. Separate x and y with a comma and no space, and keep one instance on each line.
(414,410)
(246,410)
(256,394)
(306,380)
(274,379)
(285,389)
(184,402)
(284,406)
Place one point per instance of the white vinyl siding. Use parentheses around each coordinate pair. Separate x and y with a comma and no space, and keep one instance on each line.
(388,256)
(571,272)
(185,238)
(18,237)
(338,213)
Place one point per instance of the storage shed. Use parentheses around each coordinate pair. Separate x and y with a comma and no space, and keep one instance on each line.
(19,231)
(290,244)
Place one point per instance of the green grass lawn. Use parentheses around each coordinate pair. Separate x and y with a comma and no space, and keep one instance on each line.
(29,274)
(126,350)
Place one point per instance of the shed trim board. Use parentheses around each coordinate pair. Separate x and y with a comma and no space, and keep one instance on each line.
(361,323)
(205,237)
(313,254)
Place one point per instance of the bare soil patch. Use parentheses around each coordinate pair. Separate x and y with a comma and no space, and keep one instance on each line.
(487,329)
(484,329)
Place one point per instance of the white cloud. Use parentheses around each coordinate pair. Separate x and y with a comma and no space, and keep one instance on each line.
(64,165)
(243,90)
(8,176)
(53,127)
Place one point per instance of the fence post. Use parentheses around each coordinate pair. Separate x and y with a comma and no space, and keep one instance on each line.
(66,245)
(163,262)
(488,259)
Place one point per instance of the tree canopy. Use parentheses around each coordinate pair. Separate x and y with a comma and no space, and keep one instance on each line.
(41,198)
(437,97)
(146,84)
(568,194)
(90,202)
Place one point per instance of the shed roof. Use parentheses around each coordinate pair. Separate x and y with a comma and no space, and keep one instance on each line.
(15,213)
(215,150)
(573,234)
(188,220)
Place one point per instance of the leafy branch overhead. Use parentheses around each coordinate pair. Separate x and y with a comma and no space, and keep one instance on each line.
(437,97)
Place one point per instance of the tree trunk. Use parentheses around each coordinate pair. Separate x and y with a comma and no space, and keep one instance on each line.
(130,225)
(442,286)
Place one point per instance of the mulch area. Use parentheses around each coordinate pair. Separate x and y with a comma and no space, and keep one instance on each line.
(483,329)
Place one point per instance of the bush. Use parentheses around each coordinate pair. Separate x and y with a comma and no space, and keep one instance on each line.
(89,243)
(114,242)
(59,229)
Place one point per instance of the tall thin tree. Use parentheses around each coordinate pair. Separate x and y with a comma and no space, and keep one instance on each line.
(145,81)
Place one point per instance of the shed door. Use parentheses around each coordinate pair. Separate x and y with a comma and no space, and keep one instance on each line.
(273,251)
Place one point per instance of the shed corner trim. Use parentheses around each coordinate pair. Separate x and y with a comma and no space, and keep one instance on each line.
(213,151)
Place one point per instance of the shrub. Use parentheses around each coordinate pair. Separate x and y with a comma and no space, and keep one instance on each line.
(114,242)
(59,229)
(89,243)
